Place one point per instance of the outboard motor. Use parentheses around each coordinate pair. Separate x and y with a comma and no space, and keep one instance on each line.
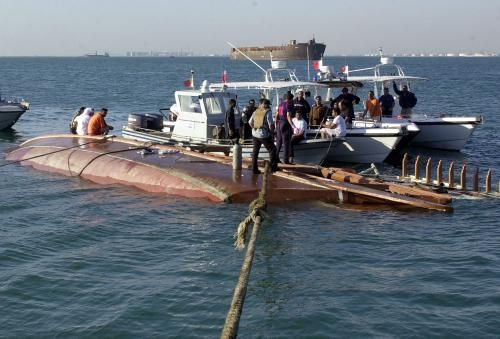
(154,121)
(136,120)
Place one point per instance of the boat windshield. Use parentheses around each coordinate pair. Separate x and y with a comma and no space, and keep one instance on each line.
(213,105)
(189,103)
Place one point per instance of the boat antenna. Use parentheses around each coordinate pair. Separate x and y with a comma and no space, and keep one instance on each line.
(246,56)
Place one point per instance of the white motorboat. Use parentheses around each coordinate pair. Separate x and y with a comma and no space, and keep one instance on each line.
(362,144)
(10,111)
(446,133)
(200,119)
(442,132)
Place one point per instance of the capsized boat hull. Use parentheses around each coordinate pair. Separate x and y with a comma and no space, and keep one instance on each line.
(182,173)
(177,171)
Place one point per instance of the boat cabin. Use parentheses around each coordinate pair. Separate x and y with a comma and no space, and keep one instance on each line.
(201,114)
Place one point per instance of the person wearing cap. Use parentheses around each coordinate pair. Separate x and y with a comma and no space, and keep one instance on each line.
(372,107)
(386,103)
(245,127)
(407,100)
(97,124)
(262,134)
(346,102)
(317,113)
(301,104)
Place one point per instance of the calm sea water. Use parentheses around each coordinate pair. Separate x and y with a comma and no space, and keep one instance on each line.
(83,260)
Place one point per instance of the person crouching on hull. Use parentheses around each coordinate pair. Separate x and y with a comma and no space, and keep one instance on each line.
(97,124)
(262,134)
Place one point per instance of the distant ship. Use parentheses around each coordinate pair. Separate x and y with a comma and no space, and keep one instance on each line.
(96,55)
(292,51)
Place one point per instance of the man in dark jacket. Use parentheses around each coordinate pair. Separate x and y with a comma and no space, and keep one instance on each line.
(301,104)
(386,103)
(230,120)
(245,128)
(407,100)
(345,102)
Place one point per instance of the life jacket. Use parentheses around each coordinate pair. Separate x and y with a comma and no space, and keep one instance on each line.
(258,117)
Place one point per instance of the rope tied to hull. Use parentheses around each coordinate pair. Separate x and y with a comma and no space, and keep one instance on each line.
(257,210)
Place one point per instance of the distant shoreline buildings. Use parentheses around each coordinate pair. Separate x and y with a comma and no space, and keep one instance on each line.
(167,54)
(447,54)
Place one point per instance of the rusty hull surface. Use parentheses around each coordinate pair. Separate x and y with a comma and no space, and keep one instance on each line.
(177,171)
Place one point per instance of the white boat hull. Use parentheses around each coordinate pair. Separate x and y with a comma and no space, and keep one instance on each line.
(314,152)
(354,150)
(447,133)
(360,145)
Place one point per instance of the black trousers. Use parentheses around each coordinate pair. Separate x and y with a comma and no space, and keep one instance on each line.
(284,138)
(295,140)
(271,149)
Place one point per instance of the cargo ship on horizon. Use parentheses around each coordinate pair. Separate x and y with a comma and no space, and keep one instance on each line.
(292,51)
(96,55)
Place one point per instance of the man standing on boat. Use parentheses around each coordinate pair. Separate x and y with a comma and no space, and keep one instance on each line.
(284,125)
(372,107)
(407,100)
(386,103)
(318,113)
(230,120)
(245,128)
(301,104)
(346,102)
(262,134)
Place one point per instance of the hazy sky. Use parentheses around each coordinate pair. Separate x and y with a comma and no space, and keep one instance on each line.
(76,27)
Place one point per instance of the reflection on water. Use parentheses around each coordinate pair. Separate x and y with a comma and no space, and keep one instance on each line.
(10,135)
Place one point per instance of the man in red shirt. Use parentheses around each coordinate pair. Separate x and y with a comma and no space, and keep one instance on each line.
(97,124)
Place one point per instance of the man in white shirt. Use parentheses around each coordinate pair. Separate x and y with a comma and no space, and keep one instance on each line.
(299,131)
(335,128)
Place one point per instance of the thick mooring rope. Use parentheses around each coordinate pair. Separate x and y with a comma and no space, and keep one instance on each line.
(256,209)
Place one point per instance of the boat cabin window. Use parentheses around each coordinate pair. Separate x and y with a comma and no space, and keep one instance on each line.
(190,103)
(213,105)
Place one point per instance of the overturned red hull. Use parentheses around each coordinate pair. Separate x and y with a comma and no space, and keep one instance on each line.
(177,171)
(165,170)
